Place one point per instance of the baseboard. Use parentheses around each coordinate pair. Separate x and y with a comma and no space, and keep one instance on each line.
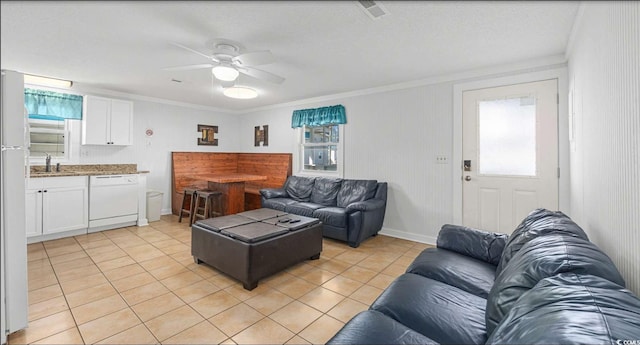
(55,236)
(165,211)
(408,236)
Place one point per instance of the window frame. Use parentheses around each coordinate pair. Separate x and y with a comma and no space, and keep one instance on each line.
(300,146)
(71,145)
(63,127)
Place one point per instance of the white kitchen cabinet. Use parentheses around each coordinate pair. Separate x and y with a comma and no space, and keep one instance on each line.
(107,121)
(33,210)
(56,204)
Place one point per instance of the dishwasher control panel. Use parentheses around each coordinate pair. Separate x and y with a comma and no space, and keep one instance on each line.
(104,180)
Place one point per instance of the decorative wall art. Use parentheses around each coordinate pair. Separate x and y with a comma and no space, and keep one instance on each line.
(261,135)
(208,135)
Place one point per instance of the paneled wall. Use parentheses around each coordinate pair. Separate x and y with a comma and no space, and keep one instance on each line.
(604,74)
(391,136)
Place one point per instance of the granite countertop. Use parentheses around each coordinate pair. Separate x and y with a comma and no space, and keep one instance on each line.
(86,170)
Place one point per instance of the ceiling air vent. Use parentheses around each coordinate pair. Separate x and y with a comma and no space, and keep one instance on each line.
(373,9)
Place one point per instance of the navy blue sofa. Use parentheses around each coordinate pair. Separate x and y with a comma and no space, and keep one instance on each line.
(350,210)
(544,284)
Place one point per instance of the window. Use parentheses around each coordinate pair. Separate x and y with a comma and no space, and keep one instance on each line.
(48,137)
(507,137)
(320,148)
(51,114)
(321,151)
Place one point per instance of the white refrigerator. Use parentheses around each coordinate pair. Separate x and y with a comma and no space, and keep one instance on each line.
(14,168)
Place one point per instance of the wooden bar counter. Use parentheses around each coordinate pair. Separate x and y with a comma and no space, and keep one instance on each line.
(188,169)
(232,187)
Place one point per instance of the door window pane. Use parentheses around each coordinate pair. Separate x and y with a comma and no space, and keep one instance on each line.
(507,137)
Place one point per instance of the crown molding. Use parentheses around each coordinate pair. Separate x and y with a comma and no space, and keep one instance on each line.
(104,92)
(577,24)
(546,62)
(553,61)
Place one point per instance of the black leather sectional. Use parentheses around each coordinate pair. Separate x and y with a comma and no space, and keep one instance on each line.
(544,284)
(350,210)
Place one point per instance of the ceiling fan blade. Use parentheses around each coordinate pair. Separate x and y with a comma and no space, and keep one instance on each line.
(188,67)
(260,74)
(195,51)
(256,58)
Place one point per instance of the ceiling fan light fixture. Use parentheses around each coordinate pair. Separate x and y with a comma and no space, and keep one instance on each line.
(225,73)
(240,92)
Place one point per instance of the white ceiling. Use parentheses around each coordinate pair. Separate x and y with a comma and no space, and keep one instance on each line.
(321,47)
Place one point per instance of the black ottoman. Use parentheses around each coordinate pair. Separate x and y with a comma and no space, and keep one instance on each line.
(249,246)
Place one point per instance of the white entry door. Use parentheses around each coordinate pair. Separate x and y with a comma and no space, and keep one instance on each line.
(510,153)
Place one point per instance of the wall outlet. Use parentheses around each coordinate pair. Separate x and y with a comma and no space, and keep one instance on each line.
(442,159)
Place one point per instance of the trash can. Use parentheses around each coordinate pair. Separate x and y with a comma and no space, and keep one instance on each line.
(154,205)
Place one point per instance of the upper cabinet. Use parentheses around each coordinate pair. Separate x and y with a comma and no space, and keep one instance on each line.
(107,121)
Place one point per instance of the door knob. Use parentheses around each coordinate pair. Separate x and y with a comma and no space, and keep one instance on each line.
(467,178)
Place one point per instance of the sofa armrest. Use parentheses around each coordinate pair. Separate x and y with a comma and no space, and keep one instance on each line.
(270,193)
(478,244)
(364,206)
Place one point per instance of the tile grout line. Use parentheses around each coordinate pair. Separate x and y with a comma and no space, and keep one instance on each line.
(169,230)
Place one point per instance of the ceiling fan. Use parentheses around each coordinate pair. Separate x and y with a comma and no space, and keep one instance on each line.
(229,59)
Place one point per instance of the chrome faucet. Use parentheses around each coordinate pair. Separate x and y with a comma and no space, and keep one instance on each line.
(48,163)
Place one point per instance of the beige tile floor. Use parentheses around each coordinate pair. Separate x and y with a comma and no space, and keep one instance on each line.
(139,285)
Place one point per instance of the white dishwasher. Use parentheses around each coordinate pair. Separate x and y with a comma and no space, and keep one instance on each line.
(113,201)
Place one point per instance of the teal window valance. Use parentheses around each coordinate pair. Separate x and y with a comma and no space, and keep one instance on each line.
(319,116)
(50,105)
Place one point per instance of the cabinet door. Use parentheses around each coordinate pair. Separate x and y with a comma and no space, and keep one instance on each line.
(33,212)
(95,129)
(121,122)
(64,209)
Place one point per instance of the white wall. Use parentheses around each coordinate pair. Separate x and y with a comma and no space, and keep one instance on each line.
(392,135)
(604,74)
(175,129)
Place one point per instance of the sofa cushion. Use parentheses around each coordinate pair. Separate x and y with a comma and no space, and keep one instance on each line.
(570,308)
(325,191)
(539,222)
(372,327)
(356,190)
(279,204)
(336,216)
(302,208)
(543,257)
(437,310)
(299,187)
(464,272)
(270,193)
(476,243)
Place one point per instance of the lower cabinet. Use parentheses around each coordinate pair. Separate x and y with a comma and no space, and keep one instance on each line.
(56,204)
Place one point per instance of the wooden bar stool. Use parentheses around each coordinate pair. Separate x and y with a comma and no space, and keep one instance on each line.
(206,199)
(188,199)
